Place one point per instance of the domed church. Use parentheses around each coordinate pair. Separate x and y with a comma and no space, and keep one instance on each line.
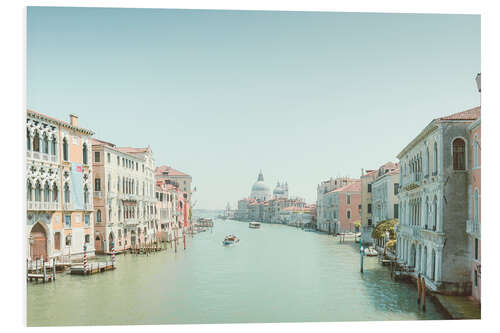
(260,191)
(281,190)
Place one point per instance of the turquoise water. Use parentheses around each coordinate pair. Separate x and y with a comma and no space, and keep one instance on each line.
(274,274)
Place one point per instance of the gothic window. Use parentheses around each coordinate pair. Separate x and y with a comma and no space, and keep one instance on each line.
(98,216)
(476,205)
(36,142)
(97,156)
(118,184)
(434,208)
(458,154)
(46,194)
(97,184)
(65,149)
(427,158)
(86,194)
(66,193)
(85,154)
(109,183)
(54,145)
(45,144)
(348,214)
(38,191)
(54,193)
(28,139)
(348,199)
(29,191)
(435,159)
(110,214)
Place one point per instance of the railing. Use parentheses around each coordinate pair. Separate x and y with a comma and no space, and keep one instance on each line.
(68,206)
(473,228)
(88,206)
(41,156)
(98,194)
(42,205)
(131,221)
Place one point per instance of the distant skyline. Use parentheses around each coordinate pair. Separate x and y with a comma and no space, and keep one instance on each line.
(220,95)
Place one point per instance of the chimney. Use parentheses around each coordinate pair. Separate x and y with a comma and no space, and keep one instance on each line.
(73,120)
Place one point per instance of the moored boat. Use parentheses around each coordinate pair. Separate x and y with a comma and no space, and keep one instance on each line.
(371,252)
(230,240)
(254,225)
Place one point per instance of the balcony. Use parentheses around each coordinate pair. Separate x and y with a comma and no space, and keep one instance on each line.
(473,228)
(131,222)
(40,205)
(68,206)
(88,206)
(41,156)
(98,194)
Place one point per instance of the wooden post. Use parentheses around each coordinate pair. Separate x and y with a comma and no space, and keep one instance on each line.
(423,294)
(27,269)
(36,266)
(44,272)
(54,269)
(184,237)
(175,243)
(418,288)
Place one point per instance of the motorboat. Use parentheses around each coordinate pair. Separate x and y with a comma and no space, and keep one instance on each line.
(371,252)
(230,240)
(254,225)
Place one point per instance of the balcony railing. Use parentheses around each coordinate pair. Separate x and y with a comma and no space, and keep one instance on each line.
(41,156)
(98,194)
(68,206)
(88,206)
(41,205)
(131,221)
(473,228)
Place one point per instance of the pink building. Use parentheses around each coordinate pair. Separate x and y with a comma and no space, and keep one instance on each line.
(346,201)
(474,221)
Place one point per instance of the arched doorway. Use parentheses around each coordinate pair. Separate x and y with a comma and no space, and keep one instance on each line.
(38,243)
(413,256)
(111,242)
(132,238)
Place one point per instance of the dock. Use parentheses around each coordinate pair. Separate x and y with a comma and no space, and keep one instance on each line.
(93,268)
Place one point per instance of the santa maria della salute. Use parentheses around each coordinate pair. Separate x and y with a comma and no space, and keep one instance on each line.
(277,207)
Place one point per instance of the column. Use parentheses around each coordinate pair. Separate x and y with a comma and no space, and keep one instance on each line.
(439,264)
(439,222)
(417,258)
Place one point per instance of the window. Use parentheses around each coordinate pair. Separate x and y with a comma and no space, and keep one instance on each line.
(68,240)
(435,159)
(427,158)
(65,149)
(118,160)
(97,156)
(87,239)
(369,221)
(348,199)
(396,189)
(369,208)
(369,188)
(28,139)
(67,221)
(45,144)
(348,214)
(54,193)
(38,192)
(476,154)
(85,194)
(54,145)
(86,219)
(476,205)
(97,184)
(109,158)
(98,216)
(29,192)
(396,211)
(475,278)
(476,249)
(459,154)
(85,154)
(57,241)
(36,142)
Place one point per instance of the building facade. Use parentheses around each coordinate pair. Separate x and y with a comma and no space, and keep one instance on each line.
(175,177)
(434,176)
(59,187)
(124,197)
(166,207)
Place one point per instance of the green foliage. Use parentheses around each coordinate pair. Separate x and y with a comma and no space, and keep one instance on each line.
(391,244)
(382,227)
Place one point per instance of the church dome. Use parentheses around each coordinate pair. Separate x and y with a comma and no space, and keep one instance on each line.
(260,191)
(260,186)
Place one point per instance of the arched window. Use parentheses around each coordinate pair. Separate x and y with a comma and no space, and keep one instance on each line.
(54,193)
(476,154)
(54,146)
(119,213)
(29,191)
(45,144)
(435,210)
(46,193)
(476,205)
(86,194)
(85,154)
(98,215)
(38,191)
(459,154)
(28,139)
(427,161)
(36,142)
(66,193)
(118,184)
(348,214)
(109,183)
(435,159)
(65,149)
(110,214)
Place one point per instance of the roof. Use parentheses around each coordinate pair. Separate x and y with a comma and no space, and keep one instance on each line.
(133,150)
(58,121)
(159,171)
(352,187)
(471,114)
(102,142)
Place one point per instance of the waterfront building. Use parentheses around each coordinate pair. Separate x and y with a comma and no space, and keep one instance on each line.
(365,208)
(474,216)
(59,187)
(434,177)
(166,207)
(324,203)
(345,205)
(385,189)
(281,190)
(175,177)
(296,216)
(124,197)
(260,191)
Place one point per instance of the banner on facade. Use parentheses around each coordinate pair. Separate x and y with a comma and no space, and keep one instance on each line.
(77,185)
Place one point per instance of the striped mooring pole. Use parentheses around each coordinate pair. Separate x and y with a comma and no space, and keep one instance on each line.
(85,263)
(113,254)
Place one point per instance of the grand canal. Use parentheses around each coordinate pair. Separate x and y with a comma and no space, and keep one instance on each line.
(275,274)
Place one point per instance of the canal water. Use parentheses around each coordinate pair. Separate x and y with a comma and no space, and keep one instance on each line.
(274,274)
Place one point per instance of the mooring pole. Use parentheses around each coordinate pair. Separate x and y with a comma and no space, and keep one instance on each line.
(423,294)
(361,253)
(419,288)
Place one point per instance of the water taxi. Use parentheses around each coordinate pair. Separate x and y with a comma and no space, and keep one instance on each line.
(230,240)
(254,225)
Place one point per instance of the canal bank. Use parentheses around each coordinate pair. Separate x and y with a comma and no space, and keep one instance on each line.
(274,274)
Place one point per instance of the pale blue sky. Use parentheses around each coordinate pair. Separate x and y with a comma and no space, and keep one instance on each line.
(221,94)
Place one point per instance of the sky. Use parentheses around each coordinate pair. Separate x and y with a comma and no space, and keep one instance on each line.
(220,95)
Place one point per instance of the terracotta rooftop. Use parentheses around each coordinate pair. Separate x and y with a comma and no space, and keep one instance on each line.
(132,149)
(102,142)
(471,114)
(353,187)
(171,171)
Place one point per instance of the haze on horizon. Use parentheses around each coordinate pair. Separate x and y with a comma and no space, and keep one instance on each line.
(220,95)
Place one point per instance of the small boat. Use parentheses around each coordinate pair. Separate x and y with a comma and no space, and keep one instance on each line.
(371,252)
(230,240)
(254,225)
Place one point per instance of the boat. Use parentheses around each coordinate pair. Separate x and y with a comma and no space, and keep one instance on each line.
(254,225)
(230,240)
(371,252)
